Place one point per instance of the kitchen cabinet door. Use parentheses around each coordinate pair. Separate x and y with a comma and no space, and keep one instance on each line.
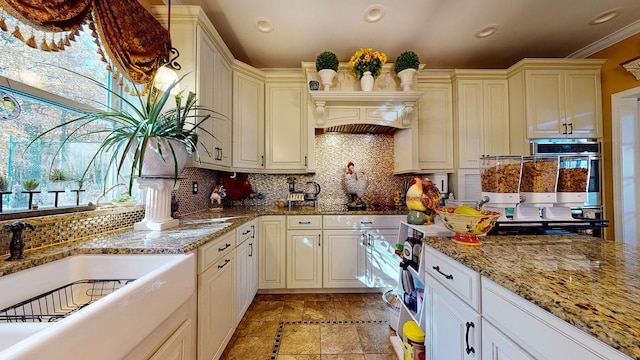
(286,130)
(216,299)
(177,347)
(272,252)
(248,118)
(435,125)
(554,98)
(455,327)
(482,119)
(382,264)
(304,259)
(243,280)
(344,259)
(496,346)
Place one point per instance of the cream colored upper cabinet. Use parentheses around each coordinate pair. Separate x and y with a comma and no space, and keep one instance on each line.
(204,61)
(554,98)
(248,118)
(563,103)
(435,124)
(286,123)
(481,115)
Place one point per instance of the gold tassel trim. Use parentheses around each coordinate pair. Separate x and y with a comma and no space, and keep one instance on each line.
(120,82)
(61,44)
(53,46)
(109,68)
(16,33)
(44,46)
(3,24)
(67,42)
(32,42)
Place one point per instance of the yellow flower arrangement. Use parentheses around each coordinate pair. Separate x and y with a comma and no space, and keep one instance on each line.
(366,59)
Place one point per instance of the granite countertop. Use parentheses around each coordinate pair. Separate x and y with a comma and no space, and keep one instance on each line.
(591,283)
(194,231)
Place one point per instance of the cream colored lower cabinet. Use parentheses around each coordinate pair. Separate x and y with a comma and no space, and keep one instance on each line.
(497,346)
(537,332)
(455,327)
(246,267)
(304,252)
(359,251)
(177,347)
(272,252)
(216,296)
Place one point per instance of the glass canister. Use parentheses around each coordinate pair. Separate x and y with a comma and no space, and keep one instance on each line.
(573,174)
(500,174)
(539,174)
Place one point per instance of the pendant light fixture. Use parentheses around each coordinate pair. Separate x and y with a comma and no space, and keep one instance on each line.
(166,74)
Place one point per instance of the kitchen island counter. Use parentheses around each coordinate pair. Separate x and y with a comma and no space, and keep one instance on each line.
(591,283)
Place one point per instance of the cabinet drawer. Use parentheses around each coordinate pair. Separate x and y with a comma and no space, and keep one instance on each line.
(304,222)
(362,221)
(213,251)
(245,232)
(459,279)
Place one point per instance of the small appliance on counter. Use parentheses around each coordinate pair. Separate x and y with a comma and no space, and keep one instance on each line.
(310,193)
(312,190)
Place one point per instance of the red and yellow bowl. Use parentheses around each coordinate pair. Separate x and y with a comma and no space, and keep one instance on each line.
(468,227)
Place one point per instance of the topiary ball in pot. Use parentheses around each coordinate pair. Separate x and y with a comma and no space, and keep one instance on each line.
(327,60)
(327,65)
(407,60)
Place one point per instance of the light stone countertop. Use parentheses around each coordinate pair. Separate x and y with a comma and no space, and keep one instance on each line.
(193,231)
(591,283)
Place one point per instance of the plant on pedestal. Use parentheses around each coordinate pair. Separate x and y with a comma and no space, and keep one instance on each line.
(406,67)
(57,180)
(144,139)
(327,66)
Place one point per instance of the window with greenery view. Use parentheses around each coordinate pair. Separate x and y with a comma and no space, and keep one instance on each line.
(48,96)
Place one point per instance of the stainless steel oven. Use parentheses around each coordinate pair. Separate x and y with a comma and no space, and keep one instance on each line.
(568,147)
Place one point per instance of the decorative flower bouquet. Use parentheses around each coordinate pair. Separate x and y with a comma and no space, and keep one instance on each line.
(366,59)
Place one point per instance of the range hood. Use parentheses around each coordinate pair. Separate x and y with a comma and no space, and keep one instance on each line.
(360,112)
(358,129)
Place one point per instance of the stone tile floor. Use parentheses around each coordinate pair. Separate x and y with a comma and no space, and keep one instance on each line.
(313,327)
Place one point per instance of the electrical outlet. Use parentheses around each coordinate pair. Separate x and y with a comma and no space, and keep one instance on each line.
(194,187)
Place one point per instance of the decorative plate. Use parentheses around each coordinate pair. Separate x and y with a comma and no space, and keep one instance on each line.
(9,107)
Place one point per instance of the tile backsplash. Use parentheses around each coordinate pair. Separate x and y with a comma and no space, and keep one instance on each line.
(371,154)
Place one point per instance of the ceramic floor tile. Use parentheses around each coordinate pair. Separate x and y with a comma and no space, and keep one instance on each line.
(250,347)
(265,311)
(343,357)
(374,338)
(298,357)
(380,357)
(319,310)
(292,311)
(310,297)
(339,339)
(378,311)
(300,339)
(350,310)
(257,328)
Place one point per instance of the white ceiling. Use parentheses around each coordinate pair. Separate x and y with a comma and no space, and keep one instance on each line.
(441,32)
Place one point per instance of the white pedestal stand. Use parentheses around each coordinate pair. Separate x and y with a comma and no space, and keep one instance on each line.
(157,208)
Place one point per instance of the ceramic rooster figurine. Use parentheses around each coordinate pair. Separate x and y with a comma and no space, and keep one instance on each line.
(356,184)
(216,197)
(423,196)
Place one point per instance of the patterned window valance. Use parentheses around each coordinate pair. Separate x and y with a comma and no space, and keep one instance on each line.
(134,41)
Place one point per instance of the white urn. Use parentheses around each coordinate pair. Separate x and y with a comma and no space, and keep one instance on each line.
(326,78)
(406,78)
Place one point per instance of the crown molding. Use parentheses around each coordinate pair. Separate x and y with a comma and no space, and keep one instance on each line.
(607,41)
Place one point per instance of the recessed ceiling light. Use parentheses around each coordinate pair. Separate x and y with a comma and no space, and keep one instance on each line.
(605,16)
(264,25)
(374,13)
(487,31)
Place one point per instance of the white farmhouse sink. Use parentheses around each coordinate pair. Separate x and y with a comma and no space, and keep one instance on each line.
(108,328)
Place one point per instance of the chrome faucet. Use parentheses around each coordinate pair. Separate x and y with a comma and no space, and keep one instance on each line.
(16,246)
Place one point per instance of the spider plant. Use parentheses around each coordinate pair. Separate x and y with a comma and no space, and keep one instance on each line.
(140,122)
